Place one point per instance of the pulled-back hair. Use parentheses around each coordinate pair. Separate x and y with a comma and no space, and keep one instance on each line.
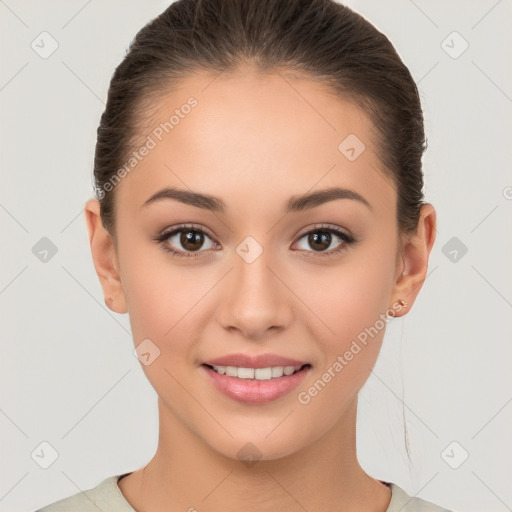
(323,39)
(320,39)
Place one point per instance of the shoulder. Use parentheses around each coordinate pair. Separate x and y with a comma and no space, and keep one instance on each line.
(106,496)
(401,501)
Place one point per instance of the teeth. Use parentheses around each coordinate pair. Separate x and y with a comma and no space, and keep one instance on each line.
(231,371)
(273,372)
(243,373)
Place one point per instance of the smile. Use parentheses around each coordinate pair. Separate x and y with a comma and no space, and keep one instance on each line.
(272,372)
(256,385)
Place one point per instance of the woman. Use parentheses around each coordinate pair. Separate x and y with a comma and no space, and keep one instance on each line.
(260,216)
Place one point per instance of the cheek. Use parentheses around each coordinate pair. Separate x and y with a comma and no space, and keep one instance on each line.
(349,335)
(150,291)
(350,298)
(164,301)
(348,319)
(161,302)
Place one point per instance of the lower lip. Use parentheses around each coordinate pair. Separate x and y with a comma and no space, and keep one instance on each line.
(253,391)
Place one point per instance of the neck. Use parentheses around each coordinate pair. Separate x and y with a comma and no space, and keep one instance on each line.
(187,474)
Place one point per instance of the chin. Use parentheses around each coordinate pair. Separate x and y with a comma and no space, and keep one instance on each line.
(259,447)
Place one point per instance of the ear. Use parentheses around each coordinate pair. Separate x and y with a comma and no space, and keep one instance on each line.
(414,257)
(104,255)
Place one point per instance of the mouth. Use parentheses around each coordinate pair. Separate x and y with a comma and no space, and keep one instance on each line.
(255,386)
(268,373)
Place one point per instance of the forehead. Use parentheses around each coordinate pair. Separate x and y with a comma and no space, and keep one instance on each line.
(252,136)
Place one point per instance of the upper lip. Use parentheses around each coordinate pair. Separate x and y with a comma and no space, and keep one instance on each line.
(256,361)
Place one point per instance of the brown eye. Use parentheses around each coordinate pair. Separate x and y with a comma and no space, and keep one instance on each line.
(319,240)
(322,240)
(185,241)
(191,240)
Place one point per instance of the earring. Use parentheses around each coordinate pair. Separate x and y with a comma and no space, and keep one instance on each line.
(402,303)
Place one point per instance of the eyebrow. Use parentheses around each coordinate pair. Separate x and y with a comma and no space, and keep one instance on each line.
(294,204)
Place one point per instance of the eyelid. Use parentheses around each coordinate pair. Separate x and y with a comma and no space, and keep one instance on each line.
(167,232)
(325,227)
(346,238)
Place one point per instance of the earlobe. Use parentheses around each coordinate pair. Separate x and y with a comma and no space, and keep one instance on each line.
(104,257)
(415,257)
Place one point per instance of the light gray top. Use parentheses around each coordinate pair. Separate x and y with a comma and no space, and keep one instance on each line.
(107,497)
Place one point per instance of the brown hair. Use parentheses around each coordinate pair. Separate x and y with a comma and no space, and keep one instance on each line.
(321,38)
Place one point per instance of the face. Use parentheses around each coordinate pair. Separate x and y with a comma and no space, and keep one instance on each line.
(307,283)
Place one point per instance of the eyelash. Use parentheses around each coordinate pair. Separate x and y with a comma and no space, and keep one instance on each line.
(163,237)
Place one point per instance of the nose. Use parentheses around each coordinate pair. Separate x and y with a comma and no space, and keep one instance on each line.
(255,298)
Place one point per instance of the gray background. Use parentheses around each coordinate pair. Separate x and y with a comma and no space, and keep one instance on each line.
(69,377)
